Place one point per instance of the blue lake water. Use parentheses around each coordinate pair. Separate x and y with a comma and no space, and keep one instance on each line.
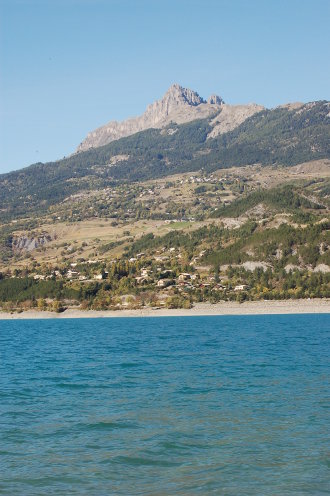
(165,406)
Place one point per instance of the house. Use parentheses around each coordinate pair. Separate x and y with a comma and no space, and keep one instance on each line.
(161,258)
(72,274)
(219,287)
(164,283)
(240,287)
(184,277)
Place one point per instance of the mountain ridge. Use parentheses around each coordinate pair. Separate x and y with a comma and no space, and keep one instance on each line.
(278,137)
(178,105)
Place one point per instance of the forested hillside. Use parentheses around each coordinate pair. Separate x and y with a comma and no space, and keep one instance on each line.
(280,136)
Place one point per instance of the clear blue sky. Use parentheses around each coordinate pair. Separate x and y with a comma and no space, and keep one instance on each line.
(69,66)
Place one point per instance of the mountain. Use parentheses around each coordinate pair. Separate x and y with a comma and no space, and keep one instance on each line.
(179,105)
(230,136)
(238,196)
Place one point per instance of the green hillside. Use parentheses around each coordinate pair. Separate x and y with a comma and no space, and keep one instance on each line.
(279,136)
(288,198)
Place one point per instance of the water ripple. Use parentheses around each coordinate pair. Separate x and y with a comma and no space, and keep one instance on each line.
(165,406)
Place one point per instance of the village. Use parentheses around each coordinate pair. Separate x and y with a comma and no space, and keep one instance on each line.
(155,273)
(162,279)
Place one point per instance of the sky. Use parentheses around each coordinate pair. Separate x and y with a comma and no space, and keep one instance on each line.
(69,66)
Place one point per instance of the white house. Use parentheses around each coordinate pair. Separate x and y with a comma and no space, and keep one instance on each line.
(241,287)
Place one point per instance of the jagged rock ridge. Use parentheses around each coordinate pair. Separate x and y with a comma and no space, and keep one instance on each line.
(178,105)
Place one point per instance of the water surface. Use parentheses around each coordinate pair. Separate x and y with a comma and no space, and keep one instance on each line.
(164,406)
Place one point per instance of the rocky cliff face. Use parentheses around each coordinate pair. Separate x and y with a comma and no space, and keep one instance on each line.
(29,242)
(178,105)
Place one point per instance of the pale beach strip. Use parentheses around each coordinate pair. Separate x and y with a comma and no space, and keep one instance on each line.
(266,307)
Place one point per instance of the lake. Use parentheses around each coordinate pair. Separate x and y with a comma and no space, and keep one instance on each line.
(165,406)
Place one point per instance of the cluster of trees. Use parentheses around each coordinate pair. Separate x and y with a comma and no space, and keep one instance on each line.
(280,246)
(273,283)
(22,289)
(286,198)
(276,136)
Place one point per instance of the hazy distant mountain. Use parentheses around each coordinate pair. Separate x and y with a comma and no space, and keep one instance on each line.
(179,105)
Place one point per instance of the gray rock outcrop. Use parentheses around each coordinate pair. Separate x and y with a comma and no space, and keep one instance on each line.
(29,242)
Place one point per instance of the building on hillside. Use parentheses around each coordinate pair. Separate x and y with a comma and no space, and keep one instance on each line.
(72,274)
(145,272)
(101,276)
(241,287)
(219,287)
(164,283)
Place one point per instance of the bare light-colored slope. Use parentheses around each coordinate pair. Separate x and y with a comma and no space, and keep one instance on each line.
(231,116)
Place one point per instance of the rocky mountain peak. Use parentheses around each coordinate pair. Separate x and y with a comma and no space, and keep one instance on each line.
(182,95)
(215,100)
(176,99)
(179,105)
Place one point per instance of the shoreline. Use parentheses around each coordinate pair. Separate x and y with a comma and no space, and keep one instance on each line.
(265,307)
